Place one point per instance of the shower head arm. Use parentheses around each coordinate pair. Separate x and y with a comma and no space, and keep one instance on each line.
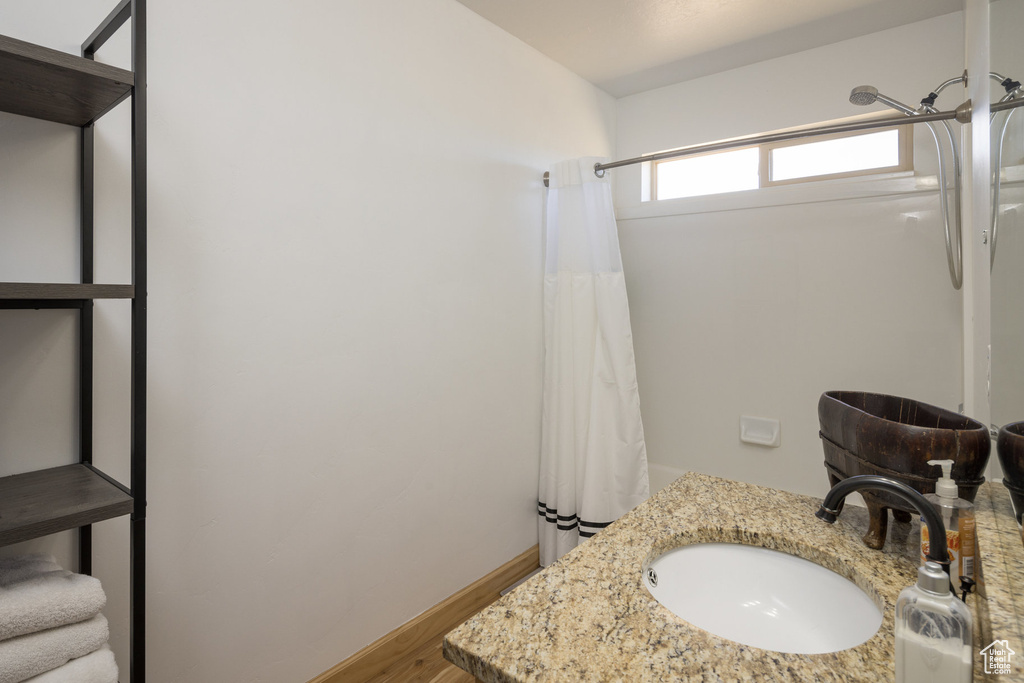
(951,81)
(928,103)
(896,104)
(1009,84)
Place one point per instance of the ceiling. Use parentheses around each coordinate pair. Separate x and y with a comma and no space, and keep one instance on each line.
(628,46)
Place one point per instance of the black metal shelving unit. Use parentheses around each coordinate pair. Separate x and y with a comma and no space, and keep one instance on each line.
(55,86)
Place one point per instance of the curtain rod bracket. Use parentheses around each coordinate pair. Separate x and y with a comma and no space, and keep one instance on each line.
(963,112)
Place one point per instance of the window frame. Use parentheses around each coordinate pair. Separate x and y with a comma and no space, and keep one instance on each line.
(905,163)
(905,145)
(654,171)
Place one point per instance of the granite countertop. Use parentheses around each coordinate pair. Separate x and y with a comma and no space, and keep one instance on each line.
(588,617)
(999,611)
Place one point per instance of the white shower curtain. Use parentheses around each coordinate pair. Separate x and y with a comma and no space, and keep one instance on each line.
(593,459)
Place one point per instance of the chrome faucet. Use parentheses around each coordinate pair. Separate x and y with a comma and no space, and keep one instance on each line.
(833,505)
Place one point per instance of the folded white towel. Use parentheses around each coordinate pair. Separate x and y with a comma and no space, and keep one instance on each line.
(21,567)
(26,656)
(37,594)
(99,667)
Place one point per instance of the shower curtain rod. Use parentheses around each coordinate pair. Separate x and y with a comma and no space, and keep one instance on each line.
(961,114)
(1009,104)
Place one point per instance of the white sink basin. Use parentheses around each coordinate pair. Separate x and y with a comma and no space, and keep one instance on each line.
(763,598)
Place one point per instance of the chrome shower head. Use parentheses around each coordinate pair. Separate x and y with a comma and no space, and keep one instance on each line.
(863,95)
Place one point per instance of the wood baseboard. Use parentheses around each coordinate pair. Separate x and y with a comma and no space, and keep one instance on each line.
(434,623)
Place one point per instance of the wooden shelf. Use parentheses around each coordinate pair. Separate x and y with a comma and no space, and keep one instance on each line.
(49,290)
(49,85)
(56,86)
(47,501)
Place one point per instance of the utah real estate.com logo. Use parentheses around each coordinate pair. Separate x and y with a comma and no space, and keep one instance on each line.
(997,657)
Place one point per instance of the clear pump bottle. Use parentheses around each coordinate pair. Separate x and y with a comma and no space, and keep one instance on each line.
(933,631)
(958,517)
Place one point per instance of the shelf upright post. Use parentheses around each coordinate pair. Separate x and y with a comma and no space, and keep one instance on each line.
(135,10)
(86,195)
(137,666)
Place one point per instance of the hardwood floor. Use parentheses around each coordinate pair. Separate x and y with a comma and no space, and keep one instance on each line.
(426,665)
(412,652)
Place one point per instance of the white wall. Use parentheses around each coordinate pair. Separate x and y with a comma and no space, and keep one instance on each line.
(345,314)
(756,303)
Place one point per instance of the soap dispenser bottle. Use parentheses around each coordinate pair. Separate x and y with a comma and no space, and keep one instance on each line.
(958,517)
(933,631)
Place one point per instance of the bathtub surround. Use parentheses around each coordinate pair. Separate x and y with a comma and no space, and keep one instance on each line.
(1007,16)
(593,459)
(754,303)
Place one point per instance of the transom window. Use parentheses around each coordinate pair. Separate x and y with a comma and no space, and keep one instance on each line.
(843,155)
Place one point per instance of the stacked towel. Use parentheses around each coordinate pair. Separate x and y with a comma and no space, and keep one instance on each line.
(99,667)
(37,594)
(51,629)
(26,656)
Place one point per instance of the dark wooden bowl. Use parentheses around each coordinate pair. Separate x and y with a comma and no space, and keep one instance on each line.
(864,433)
(1010,447)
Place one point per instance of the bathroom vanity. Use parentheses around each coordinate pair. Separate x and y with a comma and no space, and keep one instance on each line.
(589,616)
